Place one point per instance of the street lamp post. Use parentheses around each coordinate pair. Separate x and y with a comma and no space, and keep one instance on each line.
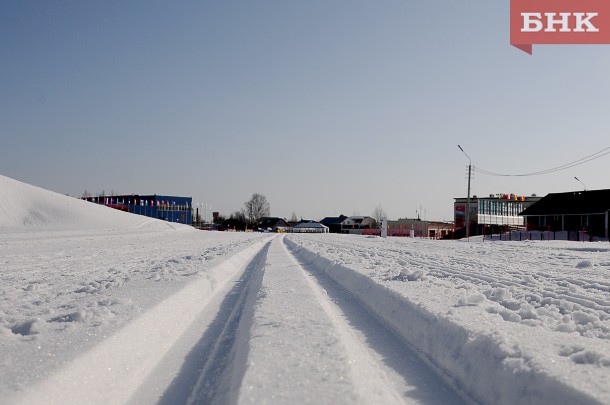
(583,184)
(468,197)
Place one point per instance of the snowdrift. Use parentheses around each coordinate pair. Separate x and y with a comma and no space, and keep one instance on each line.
(478,354)
(25,207)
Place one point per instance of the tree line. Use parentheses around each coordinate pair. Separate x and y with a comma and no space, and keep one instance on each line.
(254,209)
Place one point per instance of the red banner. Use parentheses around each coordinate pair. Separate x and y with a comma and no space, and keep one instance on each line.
(559,22)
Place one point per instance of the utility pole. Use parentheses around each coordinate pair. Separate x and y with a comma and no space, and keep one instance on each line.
(468,197)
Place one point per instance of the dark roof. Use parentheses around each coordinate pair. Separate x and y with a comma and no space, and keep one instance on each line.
(302,221)
(571,203)
(231,222)
(270,222)
(333,220)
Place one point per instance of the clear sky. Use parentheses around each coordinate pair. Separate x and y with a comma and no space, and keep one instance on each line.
(325,107)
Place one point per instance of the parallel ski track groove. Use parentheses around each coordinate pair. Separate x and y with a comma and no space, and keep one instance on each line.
(221,372)
(451,393)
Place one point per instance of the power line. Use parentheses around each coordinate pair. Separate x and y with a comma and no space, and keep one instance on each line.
(578,162)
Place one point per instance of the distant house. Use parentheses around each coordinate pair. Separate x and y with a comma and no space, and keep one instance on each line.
(571,212)
(310,227)
(271,224)
(233,224)
(334,223)
(357,224)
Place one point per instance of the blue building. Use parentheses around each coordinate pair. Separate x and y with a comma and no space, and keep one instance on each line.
(165,207)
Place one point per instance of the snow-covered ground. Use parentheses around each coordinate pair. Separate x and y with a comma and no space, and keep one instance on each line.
(100,306)
(507,322)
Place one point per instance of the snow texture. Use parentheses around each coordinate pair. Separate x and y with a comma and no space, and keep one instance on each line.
(101,306)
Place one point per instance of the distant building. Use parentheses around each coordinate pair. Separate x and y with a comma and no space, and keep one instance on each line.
(271,224)
(309,227)
(419,228)
(333,223)
(571,212)
(233,224)
(357,224)
(165,207)
(491,214)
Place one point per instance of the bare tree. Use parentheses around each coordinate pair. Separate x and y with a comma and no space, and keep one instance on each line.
(239,215)
(256,208)
(294,218)
(378,213)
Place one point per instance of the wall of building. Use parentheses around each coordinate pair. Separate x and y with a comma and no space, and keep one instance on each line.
(421,229)
(496,210)
(167,208)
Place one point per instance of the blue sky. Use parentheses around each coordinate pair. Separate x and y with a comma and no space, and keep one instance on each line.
(325,107)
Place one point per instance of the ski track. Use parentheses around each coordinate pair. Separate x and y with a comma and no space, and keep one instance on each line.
(216,340)
(121,366)
(563,294)
(333,349)
(379,360)
(330,358)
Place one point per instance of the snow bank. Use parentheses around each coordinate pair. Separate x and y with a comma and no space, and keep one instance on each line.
(62,293)
(24,207)
(112,371)
(489,359)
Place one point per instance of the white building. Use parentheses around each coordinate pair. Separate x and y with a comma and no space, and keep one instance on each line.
(309,227)
(495,211)
(357,224)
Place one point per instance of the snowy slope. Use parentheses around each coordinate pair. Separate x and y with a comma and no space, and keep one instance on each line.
(26,207)
(73,274)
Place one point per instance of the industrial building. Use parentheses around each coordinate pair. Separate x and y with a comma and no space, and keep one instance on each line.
(495,213)
(572,213)
(165,207)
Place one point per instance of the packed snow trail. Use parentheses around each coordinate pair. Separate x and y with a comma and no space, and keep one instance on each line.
(288,339)
(214,367)
(258,328)
(312,342)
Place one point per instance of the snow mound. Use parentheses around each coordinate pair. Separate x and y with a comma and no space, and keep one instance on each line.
(25,207)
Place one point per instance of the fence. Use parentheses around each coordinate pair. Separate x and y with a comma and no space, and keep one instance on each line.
(580,236)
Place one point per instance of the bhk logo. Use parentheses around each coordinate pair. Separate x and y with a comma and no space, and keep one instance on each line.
(559,22)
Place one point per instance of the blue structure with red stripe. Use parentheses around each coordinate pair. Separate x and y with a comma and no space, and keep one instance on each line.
(165,207)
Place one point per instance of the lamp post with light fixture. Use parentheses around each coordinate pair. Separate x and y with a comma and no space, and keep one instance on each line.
(583,184)
(468,197)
